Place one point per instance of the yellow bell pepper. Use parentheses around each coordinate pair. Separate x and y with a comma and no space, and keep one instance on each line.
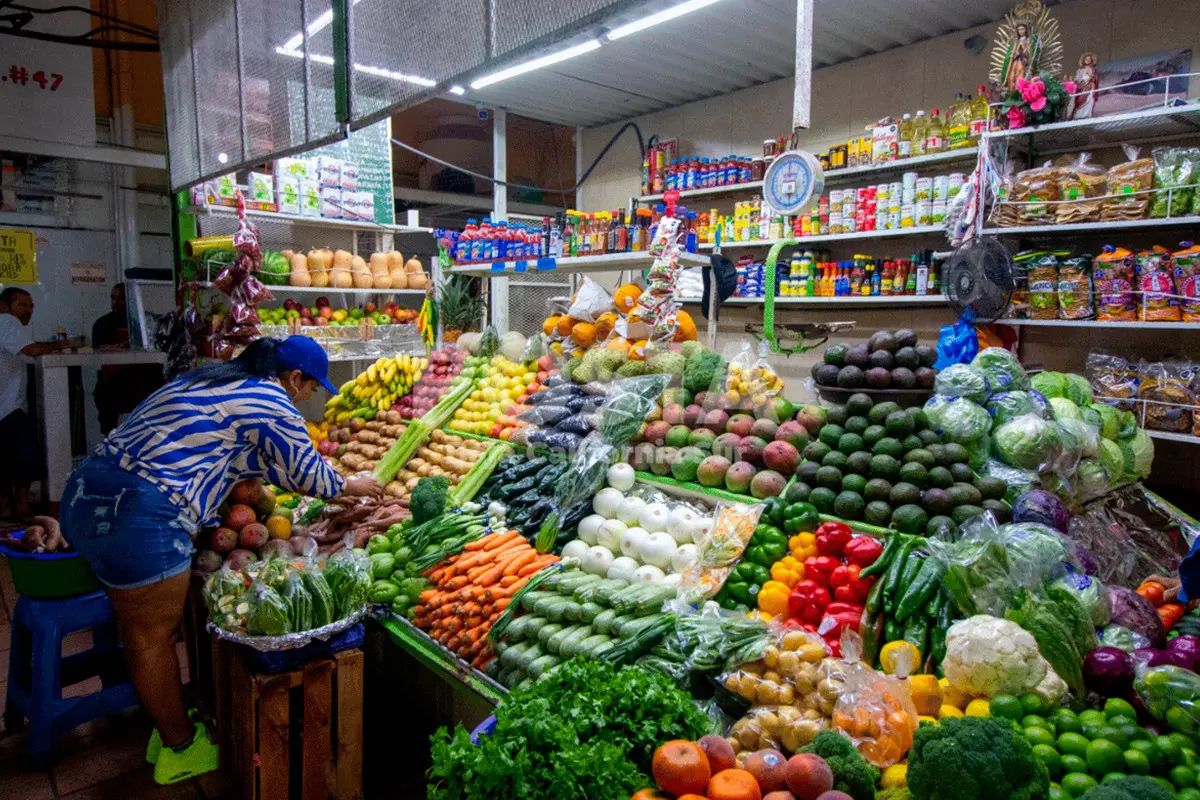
(803,545)
(773,598)
(894,776)
(788,571)
(926,694)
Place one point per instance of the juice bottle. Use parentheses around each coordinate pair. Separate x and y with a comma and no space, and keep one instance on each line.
(904,136)
(500,242)
(462,246)
(935,135)
(482,246)
(978,124)
(920,129)
(876,277)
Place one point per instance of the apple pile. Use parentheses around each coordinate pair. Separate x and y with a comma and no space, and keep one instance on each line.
(321,313)
(435,381)
(253,527)
(747,450)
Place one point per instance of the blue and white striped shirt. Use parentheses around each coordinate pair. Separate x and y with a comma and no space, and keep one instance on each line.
(195,441)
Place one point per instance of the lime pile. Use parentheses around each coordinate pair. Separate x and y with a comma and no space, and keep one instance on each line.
(1093,747)
(883,464)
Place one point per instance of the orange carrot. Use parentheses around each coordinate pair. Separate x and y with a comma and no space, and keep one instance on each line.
(525,558)
(495,540)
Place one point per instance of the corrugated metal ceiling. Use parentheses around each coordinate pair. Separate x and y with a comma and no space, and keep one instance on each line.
(730,45)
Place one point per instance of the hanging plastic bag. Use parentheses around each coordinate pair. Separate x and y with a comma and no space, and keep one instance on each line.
(719,549)
(875,711)
(750,381)
(957,343)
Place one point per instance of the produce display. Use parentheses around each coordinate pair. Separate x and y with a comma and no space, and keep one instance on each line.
(445,455)
(256,524)
(357,445)
(375,389)
(321,313)
(342,270)
(492,408)
(888,360)
(444,365)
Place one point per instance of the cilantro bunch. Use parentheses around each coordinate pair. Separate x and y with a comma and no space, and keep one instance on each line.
(585,730)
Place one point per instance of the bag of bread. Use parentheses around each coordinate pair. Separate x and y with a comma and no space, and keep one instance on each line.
(1185,270)
(1113,379)
(1166,396)
(1075,288)
(1043,285)
(1004,211)
(1156,287)
(1035,191)
(1129,186)
(1112,275)
(1081,185)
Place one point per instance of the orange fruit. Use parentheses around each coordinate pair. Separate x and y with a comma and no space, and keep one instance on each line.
(680,767)
(279,527)
(550,325)
(690,796)
(646,794)
(565,324)
(734,784)
(619,344)
(637,351)
(685,330)
(626,297)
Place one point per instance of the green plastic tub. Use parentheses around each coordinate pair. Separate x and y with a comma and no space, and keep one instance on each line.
(47,576)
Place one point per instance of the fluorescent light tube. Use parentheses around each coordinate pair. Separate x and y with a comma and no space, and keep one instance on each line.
(456,89)
(654,19)
(537,63)
(364,68)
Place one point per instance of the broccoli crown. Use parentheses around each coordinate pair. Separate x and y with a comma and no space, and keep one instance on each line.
(700,371)
(984,758)
(1134,787)
(851,772)
(429,498)
(568,369)
(689,349)
(612,359)
(895,793)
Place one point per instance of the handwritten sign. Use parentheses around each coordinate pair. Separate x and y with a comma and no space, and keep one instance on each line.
(18,258)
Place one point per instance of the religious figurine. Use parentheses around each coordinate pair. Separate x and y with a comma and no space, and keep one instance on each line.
(1027,44)
(1087,81)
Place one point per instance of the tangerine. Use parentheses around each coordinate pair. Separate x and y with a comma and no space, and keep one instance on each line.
(734,784)
(279,527)
(681,767)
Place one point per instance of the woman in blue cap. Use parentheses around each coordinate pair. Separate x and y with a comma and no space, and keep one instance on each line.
(132,508)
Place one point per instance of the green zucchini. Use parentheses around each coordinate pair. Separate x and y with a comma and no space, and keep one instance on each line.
(604,620)
(572,611)
(588,646)
(534,625)
(528,600)
(547,631)
(538,667)
(589,611)
(551,607)
(654,599)
(569,648)
(631,629)
(512,656)
(516,631)
(554,645)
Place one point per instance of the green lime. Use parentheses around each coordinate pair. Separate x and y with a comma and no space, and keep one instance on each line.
(1092,729)
(1104,757)
(1007,706)
(1180,720)
(1092,715)
(1049,756)
(1182,776)
(1114,734)
(1149,749)
(1190,793)
(1131,729)
(1137,762)
(1170,749)
(1072,744)
(1076,783)
(1073,764)
(1116,707)
(1035,721)
(1065,721)
(1113,776)
(1184,741)
(1034,704)
(1038,735)
(1057,793)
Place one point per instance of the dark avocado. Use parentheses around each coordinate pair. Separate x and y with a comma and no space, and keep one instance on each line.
(882,340)
(999,509)
(835,354)
(836,414)
(877,489)
(878,378)
(882,358)
(941,526)
(906,337)
(851,377)
(937,502)
(858,356)
(903,378)
(827,375)
(859,404)
(807,471)
(927,354)
(907,357)
(925,377)
(878,513)
(941,478)
(859,463)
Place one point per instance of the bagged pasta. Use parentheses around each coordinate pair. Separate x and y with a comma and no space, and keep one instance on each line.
(1081,185)
(1129,186)
(1155,286)
(1112,275)
(1185,270)
(1166,395)
(1075,288)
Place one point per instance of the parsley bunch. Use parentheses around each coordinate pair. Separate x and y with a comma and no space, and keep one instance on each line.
(586,730)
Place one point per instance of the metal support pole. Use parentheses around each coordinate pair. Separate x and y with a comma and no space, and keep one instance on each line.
(802,93)
(499,211)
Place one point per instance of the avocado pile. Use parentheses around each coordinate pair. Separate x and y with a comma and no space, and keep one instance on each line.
(889,360)
(883,465)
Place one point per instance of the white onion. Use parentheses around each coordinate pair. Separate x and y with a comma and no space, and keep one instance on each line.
(606,502)
(610,534)
(632,540)
(597,560)
(589,526)
(680,523)
(630,510)
(576,548)
(671,580)
(649,574)
(658,549)
(686,554)
(654,517)
(623,568)
(700,529)
(621,477)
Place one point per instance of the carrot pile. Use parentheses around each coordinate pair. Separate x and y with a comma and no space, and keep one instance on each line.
(472,589)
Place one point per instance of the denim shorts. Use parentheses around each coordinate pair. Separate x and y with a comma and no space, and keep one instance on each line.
(126,528)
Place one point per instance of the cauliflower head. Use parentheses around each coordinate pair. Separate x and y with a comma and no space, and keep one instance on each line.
(990,656)
(1052,687)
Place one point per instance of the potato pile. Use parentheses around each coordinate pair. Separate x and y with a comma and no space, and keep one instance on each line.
(444,454)
(792,690)
(358,450)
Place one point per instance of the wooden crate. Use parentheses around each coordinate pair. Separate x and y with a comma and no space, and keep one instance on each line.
(200,651)
(291,735)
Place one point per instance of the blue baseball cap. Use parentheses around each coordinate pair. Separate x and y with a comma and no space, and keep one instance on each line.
(304,354)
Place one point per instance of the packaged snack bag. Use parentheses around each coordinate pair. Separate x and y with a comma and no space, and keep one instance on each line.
(1156,287)
(1112,275)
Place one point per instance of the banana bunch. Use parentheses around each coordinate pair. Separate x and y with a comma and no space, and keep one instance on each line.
(376,388)
(427,322)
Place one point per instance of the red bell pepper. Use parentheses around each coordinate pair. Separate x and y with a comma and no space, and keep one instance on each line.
(832,624)
(862,550)
(847,586)
(832,538)
(808,601)
(820,568)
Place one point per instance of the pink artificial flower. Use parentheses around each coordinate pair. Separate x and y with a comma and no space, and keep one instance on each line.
(1038,104)
(1016,117)
(1037,88)
(1021,84)
(1069,87)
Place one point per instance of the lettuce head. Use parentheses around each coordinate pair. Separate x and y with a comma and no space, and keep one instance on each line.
(1079,391)
(1110,420)
(958,419)
(1002,370)
(1065,409)
(1004,406)
(1026,442)
(963,380)
(1050,384)
(1112,459)
(1138,452)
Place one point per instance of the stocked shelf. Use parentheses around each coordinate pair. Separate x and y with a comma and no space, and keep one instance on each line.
(922,230)
(876,300)
(1095,323)
(608,262)
(317,290)
(835,176)
(1109,131)
(417,643)
(1173,437)
(299,219)
(1097,227)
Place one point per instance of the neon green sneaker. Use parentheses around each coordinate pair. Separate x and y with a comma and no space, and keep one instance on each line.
(154,747)
(200,757)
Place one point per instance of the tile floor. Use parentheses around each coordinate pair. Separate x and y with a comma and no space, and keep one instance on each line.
(104,759)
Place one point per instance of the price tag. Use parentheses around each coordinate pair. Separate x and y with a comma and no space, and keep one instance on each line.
(521,266)
(18,258)
(546,263)
(498,266)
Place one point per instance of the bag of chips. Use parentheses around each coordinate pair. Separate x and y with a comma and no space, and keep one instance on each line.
(1156,287)
(1075,288)
(1112,275)
(1043,286)
(1185,270)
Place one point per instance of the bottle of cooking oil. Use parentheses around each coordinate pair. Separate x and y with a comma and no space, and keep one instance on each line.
(979,116)
(904,136)
(935,134)
(960,124)
(920,129)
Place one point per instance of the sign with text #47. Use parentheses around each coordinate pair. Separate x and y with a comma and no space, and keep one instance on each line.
(18,258)
(46,87)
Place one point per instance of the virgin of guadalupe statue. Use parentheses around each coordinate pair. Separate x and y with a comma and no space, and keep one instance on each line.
(1027,44)
(1087,81)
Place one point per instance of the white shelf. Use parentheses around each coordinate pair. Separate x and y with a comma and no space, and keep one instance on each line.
(834,176)
(802,241)
(298,219)
(1098,227)
(1155,123)
(317,290)
(1173,437)
(875,300)
(608,262)
(1095,323)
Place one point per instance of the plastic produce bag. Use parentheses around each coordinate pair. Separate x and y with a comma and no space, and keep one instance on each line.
(963,380)
(705,642)
(1005,406)
(719,549)
(751,379)
(269,614)
(1029,442)
(1171,695)
(349,577)
(957,343)
(874,710)
(629,402)
(225,596)
(1003,371)
(589,302)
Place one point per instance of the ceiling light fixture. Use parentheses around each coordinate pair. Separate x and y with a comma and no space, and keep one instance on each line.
(650,21)
(458,90)
(537,63)
(379,72)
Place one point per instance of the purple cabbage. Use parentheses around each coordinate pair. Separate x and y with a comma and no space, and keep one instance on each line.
(1131,610)
(1108,671)
(1038,505)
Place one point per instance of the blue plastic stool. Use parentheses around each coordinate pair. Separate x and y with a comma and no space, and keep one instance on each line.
(37,667)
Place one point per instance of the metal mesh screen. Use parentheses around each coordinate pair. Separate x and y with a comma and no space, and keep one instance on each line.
(520,22)
(529,299)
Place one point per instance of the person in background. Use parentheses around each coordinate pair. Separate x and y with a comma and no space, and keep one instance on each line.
(119,388)
(22,461)
(132,508)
